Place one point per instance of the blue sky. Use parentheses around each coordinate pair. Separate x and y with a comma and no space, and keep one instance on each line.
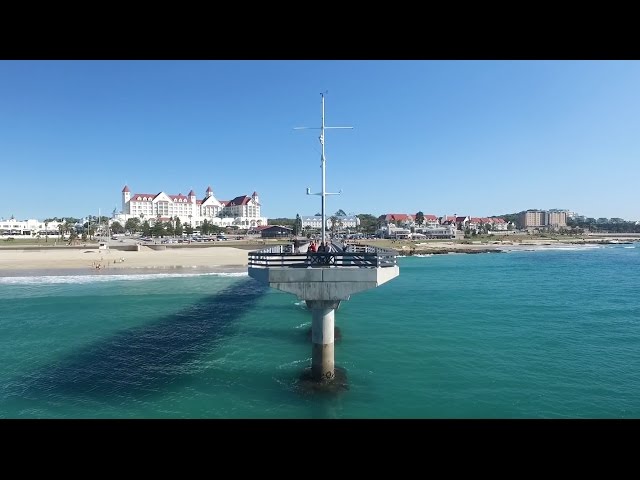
(474,138)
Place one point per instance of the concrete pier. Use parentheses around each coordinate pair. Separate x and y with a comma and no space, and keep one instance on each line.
(322,339)
(323,280)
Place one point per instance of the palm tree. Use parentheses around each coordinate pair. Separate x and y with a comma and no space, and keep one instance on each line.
(297,226)
(46,236)
(334,224)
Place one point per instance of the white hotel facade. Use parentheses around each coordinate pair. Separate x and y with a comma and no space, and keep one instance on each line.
(315,221)
(242,211)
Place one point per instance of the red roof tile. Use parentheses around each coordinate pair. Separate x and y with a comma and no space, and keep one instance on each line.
(398,217)
(150,196)
(184,198)
(241,200)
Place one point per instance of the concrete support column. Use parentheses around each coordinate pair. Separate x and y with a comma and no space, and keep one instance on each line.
(322,338)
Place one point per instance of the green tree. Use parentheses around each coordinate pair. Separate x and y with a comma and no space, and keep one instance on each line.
(340,213)
(285,222)
(46,230)
(158,229)
(188,229)
(146,228)
(169,228)
(179,229)
(420,218)
(335,223)
(116,227)
(368,223)
(132,225)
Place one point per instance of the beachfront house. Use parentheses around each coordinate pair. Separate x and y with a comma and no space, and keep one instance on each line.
(30,227)
(276,231)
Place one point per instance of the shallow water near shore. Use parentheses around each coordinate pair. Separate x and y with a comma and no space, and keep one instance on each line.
(547,333)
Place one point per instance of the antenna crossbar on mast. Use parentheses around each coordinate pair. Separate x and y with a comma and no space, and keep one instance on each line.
(323,193)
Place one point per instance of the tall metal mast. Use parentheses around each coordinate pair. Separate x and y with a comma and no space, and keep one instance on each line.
(324,192)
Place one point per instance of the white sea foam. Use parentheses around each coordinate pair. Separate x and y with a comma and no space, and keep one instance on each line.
(301,304)
(293,363)
(85,279)
(547,248)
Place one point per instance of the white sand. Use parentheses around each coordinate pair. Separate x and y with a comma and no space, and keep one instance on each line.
(91,258)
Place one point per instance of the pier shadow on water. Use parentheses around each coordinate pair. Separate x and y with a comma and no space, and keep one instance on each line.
(146,359)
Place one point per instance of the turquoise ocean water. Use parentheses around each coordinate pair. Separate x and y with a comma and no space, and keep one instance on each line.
(550,333)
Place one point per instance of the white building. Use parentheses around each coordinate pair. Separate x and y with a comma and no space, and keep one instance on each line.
(242,211)
(347,221)
(28,227)
(391,231)
(441,231)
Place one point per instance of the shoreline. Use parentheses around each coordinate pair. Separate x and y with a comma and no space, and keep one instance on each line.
(23,262)
(72,272)
(229,260)
(504,246)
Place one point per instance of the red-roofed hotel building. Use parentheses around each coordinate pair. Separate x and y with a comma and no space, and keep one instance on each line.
(242,211)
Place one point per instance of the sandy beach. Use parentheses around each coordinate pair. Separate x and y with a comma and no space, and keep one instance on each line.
(115,261)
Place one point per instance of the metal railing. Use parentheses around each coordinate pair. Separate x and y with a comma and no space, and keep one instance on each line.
(353,256)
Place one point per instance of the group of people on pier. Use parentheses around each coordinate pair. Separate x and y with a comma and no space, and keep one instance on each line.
(318,248)
(322,248)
